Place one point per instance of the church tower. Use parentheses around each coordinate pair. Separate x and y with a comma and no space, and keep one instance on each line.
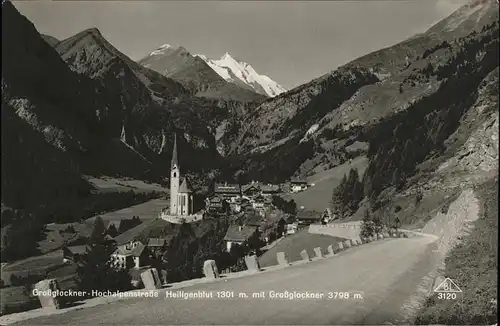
(174,179)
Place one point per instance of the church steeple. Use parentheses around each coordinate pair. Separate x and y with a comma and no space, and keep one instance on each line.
(175,175)
(174,154)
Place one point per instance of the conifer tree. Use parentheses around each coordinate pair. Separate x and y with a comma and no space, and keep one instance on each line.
(367,225)
(98,231)
(96,272)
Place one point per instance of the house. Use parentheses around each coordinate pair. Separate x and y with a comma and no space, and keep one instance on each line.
(215,204)
(155,244)
(277,218)
(292,228)
(252,219)
(308,217)
(297,185)
(269,189)
(235,207)
(241,205)
(229,192)
(259,202)
(131,255)
(238,235)
(158,246)
(251,190)
(74,254)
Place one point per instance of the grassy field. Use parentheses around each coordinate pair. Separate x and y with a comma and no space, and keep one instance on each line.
(55,237)
(144,227)
(318,197)
(293,244)
(146,211)
(32,265)
(17,299)
(110,184)
(473,265)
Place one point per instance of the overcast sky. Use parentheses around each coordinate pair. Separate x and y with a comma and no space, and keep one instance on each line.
(290,41)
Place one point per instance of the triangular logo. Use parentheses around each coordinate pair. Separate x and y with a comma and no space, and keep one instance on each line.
(448,286)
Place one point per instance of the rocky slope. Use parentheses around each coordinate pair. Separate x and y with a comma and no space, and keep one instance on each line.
(45,121)
(341,109)
(196,75)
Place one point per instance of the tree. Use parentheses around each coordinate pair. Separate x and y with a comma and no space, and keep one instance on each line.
(21,237)
(281,228)
(337,203)
(96,271)
(397,223)
(70,229)
(112,231)
(367,225)
(98,231)
(289,207)
(378,225)
(356,190)
(255,242)
(347,195)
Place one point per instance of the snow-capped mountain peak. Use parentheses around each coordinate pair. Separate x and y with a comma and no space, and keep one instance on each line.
(240,72)
(161,50)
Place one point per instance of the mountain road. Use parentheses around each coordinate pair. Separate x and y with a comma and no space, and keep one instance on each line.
(377,277)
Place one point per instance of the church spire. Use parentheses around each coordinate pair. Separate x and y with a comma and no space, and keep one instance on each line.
(174,153)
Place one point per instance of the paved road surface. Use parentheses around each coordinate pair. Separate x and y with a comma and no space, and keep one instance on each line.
(386,273)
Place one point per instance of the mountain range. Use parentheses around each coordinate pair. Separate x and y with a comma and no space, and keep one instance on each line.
(81,107)
(206,76)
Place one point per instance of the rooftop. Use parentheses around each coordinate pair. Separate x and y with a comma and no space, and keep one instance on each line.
(185,186)
(227,188)
(270,188)
(174,160)
(159,242)
(276,216)
(252,218)
(249,186)
(134,248)
(76,250)
(308,215)
(239,233)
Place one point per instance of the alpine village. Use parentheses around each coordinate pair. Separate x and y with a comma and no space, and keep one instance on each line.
(112,167)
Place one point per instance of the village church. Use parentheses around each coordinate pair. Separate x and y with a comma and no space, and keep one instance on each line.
(181,194)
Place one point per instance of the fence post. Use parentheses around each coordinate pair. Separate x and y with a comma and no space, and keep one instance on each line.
(282,259)
(210,269)
(304,255)
(44,288)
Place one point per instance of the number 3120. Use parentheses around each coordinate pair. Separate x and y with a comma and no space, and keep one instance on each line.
(447,296)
